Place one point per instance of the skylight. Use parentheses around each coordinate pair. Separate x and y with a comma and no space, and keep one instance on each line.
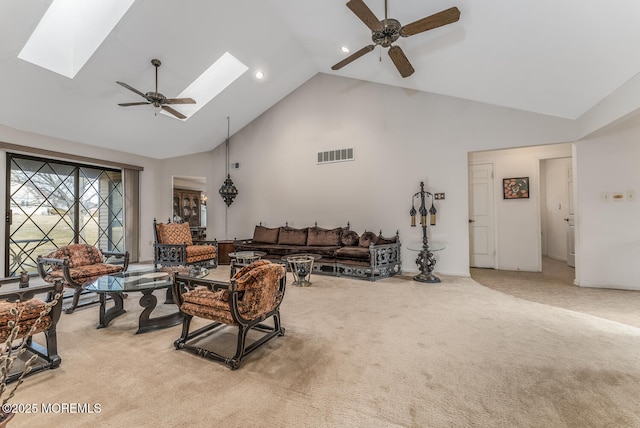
(214,80)
(70,32)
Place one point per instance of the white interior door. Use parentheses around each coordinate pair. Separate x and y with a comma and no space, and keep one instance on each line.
(571,241)
(481,216)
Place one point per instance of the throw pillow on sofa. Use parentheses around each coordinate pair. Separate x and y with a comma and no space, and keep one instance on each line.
(350,238)
(382,240)
(291,236)
(367,239)
(266,235)
(320,237)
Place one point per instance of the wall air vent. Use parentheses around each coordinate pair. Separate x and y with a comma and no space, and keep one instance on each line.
(340,155)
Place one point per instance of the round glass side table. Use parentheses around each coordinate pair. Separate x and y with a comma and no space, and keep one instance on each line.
(243,258)
(301,266)
(426,261)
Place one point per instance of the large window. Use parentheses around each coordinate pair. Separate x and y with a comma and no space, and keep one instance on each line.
(54,203)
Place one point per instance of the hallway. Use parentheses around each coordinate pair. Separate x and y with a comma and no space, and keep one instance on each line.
(554,286)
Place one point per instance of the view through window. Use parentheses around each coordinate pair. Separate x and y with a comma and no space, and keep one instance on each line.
(55,203)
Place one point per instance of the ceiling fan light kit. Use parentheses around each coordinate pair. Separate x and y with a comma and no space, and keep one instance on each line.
(387,31)
(156,99)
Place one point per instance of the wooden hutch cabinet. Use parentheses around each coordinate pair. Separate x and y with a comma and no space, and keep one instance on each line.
(186,206)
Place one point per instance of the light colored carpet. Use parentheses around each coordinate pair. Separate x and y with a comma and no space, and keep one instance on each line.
(394,353)
(554,286)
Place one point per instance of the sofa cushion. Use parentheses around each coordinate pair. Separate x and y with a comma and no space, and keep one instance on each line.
(324,251)
(318,236)
(266,235)
(349,237)
(275,251)
(78,255)
(174,233)
(367,239)
(291,236)
(353,253)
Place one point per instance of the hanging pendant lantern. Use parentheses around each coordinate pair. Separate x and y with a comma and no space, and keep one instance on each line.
(228,190)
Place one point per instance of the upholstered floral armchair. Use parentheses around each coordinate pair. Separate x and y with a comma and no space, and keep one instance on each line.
(174,246)
(78,265)
(25,312)
(252,296)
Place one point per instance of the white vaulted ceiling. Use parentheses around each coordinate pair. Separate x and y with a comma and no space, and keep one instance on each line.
(558,58)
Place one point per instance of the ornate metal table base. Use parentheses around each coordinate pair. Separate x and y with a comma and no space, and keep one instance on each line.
(148,301)
(301,267)
(426,262)
(106,315)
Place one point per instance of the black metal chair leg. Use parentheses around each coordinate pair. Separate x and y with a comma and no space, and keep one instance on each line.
(74,302)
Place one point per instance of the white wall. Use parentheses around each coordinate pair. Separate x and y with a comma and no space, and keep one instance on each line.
(400,137)
(608,246)
(518,221)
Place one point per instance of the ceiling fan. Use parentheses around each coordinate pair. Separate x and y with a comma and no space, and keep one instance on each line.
(156,98)
(387,31)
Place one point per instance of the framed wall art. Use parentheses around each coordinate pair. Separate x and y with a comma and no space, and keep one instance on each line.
(515,188)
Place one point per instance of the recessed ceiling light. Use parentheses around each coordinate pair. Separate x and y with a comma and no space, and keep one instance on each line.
(70,32)
(209,84)
(259,74)
(344,49)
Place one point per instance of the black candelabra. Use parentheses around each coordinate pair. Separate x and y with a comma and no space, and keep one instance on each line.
(426,261)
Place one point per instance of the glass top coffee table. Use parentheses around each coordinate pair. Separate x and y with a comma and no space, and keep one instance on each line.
(246,257)
(301,267)
(243,258)
(145,282)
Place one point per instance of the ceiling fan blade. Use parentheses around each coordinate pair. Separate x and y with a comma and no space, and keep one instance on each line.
(364,13)
(401,62)
(132,89)
(174,112)
(179,101)
(133,104)
(439,19)
(353,57)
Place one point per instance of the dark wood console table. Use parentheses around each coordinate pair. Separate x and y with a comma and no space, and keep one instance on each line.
(224,248)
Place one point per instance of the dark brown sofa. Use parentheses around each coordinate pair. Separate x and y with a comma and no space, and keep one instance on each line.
(344,252)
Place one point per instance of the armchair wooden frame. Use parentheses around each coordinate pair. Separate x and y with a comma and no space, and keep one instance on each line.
(183,284)
(48,353)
